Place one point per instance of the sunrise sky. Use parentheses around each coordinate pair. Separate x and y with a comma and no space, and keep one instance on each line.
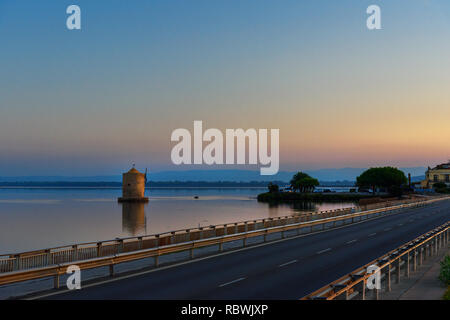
(96,100)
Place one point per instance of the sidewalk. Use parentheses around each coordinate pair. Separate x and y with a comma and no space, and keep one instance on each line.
(422,284)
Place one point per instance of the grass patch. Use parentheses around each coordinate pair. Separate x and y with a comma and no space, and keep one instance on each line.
(444,274)
(447,294)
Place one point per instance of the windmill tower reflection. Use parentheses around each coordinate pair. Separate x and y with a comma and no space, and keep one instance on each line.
(134,221)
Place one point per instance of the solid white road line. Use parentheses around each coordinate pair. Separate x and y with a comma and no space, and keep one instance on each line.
(323,251)
(351,241)
(370,235)
(287,263)
(234,281)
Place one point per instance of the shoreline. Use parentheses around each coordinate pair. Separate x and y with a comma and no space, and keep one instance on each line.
(281,197)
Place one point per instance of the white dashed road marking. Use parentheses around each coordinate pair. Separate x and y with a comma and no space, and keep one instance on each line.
(287,263)
(323,251)
(234,281)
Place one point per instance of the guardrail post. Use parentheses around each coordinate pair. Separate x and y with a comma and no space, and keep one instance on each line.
(99,249)
(49,257)
(246,226)
(17,264)
(220,246)
(363,290)
(265,235)
(225,229)
(388,285)
(140,244)
(75,252)
(235,228)
(56,281)
(420,256)
(120,246)
(398,269)
(192,252)
(425,251)
(111,270)
(200,233)
(376,293)
(415,260)
(156,261)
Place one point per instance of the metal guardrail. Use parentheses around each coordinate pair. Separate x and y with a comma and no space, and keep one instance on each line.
(90,250)
(391,265)
(115,258)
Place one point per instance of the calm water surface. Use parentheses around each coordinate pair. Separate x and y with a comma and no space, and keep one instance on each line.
(38,218)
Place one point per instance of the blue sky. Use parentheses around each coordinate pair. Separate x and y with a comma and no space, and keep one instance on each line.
(94,101)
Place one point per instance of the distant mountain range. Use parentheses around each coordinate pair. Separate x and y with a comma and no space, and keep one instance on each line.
(330,175)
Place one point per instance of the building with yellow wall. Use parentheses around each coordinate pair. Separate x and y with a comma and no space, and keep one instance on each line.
(440,173)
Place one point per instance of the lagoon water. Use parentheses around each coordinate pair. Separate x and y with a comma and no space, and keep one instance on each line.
(36,218)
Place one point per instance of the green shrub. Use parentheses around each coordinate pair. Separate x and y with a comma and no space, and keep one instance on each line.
(444,275)
(447,294)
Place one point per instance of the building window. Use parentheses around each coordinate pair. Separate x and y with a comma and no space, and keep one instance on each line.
(436,178)
(447,178)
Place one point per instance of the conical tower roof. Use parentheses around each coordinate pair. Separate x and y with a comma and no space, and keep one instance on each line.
(133,170)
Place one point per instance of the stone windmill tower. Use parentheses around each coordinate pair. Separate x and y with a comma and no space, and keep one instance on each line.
(133,186)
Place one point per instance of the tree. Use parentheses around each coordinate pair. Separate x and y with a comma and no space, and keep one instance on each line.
(384,177)
(273,188)
(303,182)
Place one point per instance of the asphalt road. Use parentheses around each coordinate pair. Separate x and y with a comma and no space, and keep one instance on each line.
(288,269)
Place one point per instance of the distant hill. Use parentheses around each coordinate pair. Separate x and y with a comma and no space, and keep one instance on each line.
(150,184)
(418,178)
(329,175)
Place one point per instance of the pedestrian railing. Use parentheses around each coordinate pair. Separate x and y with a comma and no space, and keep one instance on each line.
(55,263)
(394,265)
